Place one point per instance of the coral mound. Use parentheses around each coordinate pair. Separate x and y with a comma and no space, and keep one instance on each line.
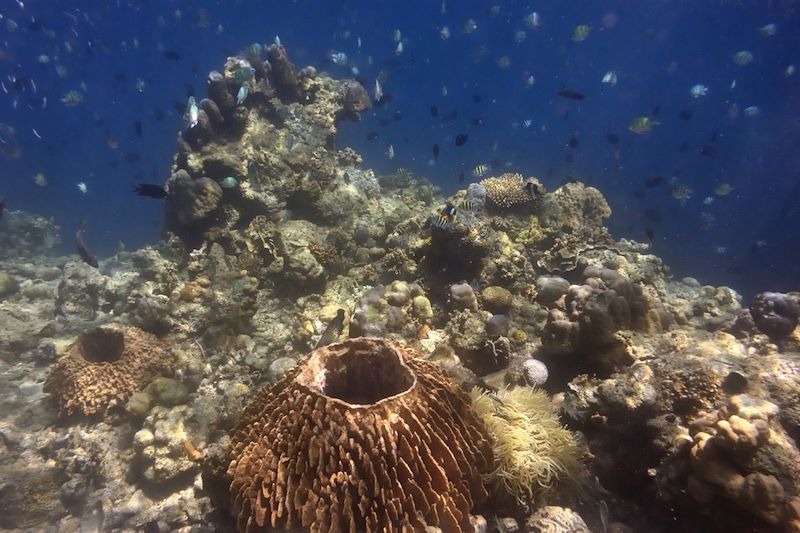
(508,190)
(103,368)
(359,437)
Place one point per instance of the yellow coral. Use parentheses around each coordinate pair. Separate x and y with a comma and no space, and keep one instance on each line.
(534,455)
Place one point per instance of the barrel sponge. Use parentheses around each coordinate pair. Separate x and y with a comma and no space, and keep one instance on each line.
(508,190)
(360,436)
(536,458)
(103,368)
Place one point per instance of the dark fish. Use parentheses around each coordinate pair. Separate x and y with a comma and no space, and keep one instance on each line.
(461,138)
(137,125)
(683,147)
(461,177)
(80,245)
(451,116)
(435,151)
(714,136)
(373,136)
(569,93)
(638,193)
(686,114)
(612,137)
(650,234)
(572,142)
(707,149)
(132,157)
(2,206)
(656,110)
(477,121)
(569,158)
(159,114)
(150,190)
(652,214)
(385,98)
(476,98)
(434,111)
(533,189)
(397,115)
(654,181)
(171,55)
(36,24)
(333,330)
(383,122)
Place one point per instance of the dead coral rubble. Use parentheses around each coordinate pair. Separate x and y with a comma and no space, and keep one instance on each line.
(361,436)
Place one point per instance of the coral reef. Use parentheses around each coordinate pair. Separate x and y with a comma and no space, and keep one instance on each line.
(103,368)
(26,234)
(369,439)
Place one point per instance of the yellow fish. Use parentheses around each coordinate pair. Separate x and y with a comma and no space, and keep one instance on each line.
(580,33)
(642,124)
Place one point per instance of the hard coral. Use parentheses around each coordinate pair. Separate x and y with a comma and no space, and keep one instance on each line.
(103,368)
(361,436)
(508,191)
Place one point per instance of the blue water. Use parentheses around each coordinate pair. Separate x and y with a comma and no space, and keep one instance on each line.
(660,50)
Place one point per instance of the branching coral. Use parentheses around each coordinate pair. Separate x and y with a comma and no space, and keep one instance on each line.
(535,456)
(511,190)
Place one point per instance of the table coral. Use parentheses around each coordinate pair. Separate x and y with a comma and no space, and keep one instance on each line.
(103,368)
(362,436)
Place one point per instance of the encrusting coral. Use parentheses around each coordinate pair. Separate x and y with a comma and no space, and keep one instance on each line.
(534,455)
(103,368)
(362,436)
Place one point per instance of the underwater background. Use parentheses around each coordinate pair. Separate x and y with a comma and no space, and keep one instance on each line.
(399,266)
(122,131)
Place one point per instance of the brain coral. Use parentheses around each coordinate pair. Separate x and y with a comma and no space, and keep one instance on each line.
(509,191)
(361,436)
(103,368)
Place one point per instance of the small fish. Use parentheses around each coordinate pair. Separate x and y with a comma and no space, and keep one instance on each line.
(82,187)
(481,170)
(446,217)
(698,90)
(520,36)
(399,48)
(768,30)
(707,150)
(720,250)
(435,151)
(390,152)
(477,98)
(530,81)
(654,181)
(378,93)
(743,57)
(241,96)
(192,112)
(171,55)
(229,183)
(723,189)
(681,192)
(752,111)
(533,188)
(572,142)
(339,58)
(610,78)
(652,214)
(150,190)
(434,111)
(137,126)
(80,245)
(532,20)
(612,137)
(40,180)
(444,33)
(477,121)
(569,93)
(580,33)
(708,200)
(467,205)
(373,136)
(461,138)
(470,26)
(650,234)
(757,246)
(642,124)
(72,98)
(2,206)
(789,71)
(461,177)
(686,114)
(332,332)
(504,62)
